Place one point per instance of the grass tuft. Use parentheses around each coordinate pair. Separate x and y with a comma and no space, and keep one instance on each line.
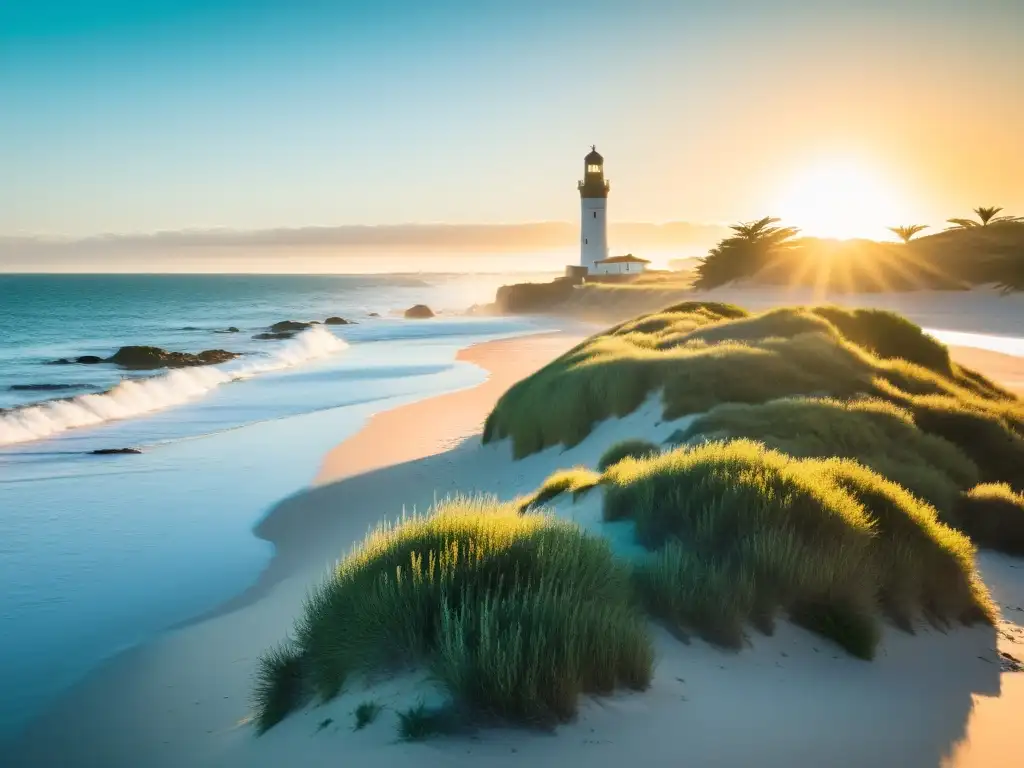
(627,449)
(422,722)
(365,714)
(279,686)
(577,481)
(993,516)
(516,614)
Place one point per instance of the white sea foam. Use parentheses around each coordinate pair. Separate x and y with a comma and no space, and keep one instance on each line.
(141,396)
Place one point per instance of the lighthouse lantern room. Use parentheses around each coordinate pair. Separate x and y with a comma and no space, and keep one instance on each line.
(593,211)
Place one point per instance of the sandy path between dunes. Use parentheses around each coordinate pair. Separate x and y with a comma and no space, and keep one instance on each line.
(929,700)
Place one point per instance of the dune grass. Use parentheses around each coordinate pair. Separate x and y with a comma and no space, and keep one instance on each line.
(421,722)
(702,356)
(577,481)
(874,432)
(515,615)
(365,714)
(992,514)
(633,449)
(740,533)
(279,686)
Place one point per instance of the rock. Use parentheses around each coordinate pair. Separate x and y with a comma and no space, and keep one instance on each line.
(337,321)
(419,312)
(373,314)
(147,358)
(46,387)
(232,329)
(280,336)
(191,328)
(289,325)
(113,451)
(83,360)
(532,297)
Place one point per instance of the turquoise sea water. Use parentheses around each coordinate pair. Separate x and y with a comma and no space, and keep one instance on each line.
(98,553)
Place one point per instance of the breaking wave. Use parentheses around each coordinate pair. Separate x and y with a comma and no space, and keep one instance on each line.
(136,397)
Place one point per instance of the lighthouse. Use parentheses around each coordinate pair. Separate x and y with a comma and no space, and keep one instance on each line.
(593,212)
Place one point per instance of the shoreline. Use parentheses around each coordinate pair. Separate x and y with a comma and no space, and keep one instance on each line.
(371,448)
(292,565)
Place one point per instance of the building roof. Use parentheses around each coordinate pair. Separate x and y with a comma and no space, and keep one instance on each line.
(629,258)
(594,158)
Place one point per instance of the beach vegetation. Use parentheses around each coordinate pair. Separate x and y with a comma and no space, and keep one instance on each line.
(874,432)
(986,215)
(698,358)
(280,687)
(515,615)
(739,534)
(745,252)
(906,233)
(366,713)
(420,722)
(992,514)
(577,481)
(634,449)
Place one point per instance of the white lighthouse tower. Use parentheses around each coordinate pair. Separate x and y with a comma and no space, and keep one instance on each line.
(594,208)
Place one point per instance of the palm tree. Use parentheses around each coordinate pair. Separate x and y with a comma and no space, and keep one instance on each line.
(985,215)
(907,233)
(743,253)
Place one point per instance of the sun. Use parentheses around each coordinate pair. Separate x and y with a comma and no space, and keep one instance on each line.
(841,199)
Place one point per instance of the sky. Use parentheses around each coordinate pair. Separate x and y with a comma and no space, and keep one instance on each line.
(120,116)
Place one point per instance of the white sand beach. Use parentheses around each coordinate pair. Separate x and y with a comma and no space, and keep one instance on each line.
(927,700)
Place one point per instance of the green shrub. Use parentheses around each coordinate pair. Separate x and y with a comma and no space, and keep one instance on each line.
(876,433)
(516,614)
(741,532)
(993,516)
(635,449)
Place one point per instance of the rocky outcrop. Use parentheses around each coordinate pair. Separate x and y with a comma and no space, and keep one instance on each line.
(148,358)
(231,329)
(280,336)
(289,325)
(524,298)
(83,360)
(113,451)
(373,314)
(419,312)
(337,321)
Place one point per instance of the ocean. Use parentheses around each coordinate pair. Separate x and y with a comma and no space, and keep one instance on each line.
(101,552)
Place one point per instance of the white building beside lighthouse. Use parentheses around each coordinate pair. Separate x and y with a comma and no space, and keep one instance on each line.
(593,212)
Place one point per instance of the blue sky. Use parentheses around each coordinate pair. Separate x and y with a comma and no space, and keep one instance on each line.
(153,115)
